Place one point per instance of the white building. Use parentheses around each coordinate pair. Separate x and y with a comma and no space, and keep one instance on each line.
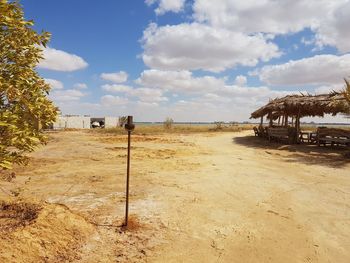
(72,122)
(83,122)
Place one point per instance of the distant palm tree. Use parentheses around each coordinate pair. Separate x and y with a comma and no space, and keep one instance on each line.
(347,90)
(347,95)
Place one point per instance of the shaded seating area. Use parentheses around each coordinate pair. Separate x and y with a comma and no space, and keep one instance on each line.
(308,137)
(333,137)
(284,114)
(260,131)
(280,134)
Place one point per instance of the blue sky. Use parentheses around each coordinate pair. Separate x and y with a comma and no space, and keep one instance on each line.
(194,60)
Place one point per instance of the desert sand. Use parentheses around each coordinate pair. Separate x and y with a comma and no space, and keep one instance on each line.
(207,197)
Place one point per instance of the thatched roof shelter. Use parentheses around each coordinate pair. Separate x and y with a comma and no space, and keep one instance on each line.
(303,105)
(296,107)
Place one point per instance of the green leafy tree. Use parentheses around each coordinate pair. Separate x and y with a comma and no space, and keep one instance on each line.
(24,106)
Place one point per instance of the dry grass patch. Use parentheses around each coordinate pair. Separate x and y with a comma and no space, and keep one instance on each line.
(32,232)
(14,215)
(136,138)
(142,129)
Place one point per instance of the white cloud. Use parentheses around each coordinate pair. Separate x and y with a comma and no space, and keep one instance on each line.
(328,89)
(213,98)
(328,19)
(66,95)
(269,16)
(81,108)
(208,91)
(335,31)
(195,46)
(59,60)
(147,104)
(179,81)
(148,95)
(252,95)
(241,80)
(109,100)
(117,77)
(55,84)
(115,88)
(207,88)
(150,2)
(229,103)
(142,94)
(167,6)
(307,42)
(317,70)
(80,86)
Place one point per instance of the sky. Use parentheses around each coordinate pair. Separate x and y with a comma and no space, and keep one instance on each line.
(191,60)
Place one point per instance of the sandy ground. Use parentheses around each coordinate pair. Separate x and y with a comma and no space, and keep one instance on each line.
(223,197)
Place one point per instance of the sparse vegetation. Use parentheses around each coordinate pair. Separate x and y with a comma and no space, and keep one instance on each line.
(168,123)
(176,128)
(14,215)
(219,124)
(168,165)
(122,120)
(24,106)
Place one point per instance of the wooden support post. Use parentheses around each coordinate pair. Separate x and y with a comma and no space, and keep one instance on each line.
(261,120)
(271,121)
(297,126)
(286,120)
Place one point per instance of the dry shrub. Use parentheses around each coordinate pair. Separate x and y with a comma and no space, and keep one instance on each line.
(122,120)
(219,125)
(168,123)
(14,215)
(6,175)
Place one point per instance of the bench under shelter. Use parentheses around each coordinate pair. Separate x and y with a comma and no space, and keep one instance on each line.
(284,114)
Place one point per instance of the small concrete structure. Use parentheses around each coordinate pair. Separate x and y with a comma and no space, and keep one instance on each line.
(72,122)
(84,122)
(111,122)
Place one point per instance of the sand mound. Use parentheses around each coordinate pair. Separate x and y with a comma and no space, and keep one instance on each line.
(41,233)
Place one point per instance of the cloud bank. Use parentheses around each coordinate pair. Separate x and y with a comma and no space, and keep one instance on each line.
(59,60)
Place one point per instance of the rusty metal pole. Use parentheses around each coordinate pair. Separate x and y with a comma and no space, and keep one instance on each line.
(129,127)
(127,182)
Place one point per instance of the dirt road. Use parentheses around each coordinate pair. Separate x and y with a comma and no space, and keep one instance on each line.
(223,197)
